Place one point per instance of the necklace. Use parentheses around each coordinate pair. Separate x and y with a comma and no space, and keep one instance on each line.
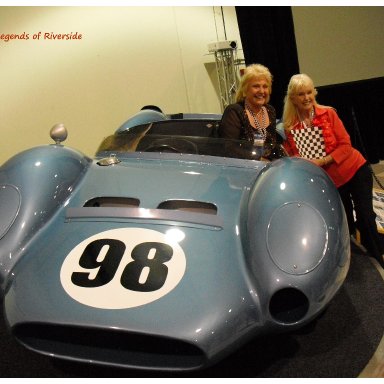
(260,126)
(310,120)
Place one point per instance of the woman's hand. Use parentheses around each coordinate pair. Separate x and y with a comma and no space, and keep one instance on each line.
(322,161)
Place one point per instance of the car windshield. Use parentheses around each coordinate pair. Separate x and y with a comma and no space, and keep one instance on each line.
(197,137)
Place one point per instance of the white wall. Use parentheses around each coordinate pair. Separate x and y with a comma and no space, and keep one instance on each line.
(128,57)
(340,44)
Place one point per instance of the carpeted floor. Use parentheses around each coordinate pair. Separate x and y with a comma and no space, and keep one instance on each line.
(339,344)
(378,170)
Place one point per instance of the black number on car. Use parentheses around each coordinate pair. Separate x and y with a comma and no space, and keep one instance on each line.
(147,272)
(104,263)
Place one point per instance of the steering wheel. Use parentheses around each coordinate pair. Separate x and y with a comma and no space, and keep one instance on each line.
(172,145)
(161,148)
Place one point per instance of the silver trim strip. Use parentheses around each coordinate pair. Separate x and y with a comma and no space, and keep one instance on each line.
(184,218)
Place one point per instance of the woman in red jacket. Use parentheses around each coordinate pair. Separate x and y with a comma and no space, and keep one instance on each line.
(316,133)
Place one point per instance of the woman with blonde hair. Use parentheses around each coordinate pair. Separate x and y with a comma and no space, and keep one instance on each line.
(252,118)
(316,133)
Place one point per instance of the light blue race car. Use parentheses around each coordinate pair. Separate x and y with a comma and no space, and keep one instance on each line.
(167,251)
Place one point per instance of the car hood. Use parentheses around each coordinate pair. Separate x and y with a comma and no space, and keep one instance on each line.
(159,248)
(206,259)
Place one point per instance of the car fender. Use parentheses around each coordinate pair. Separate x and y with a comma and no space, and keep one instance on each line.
(33,184)
(296,219)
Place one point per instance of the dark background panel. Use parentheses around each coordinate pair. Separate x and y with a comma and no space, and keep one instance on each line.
(268,37)
(363,100)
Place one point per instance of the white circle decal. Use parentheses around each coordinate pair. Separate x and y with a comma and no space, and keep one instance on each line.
(123,268)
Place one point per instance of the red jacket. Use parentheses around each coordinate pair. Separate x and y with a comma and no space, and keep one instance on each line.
(347,160)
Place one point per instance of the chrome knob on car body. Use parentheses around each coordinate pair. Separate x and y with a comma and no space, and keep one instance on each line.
(58,133)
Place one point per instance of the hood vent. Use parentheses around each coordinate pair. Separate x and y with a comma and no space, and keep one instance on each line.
(190,206)
(127,202)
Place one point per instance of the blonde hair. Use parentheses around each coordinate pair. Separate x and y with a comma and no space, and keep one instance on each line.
(252,72)
(296,83)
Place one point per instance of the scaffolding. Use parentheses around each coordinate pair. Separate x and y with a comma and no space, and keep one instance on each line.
(226,68)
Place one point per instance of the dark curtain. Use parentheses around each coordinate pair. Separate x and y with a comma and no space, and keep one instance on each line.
(360,105)
(268,37)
